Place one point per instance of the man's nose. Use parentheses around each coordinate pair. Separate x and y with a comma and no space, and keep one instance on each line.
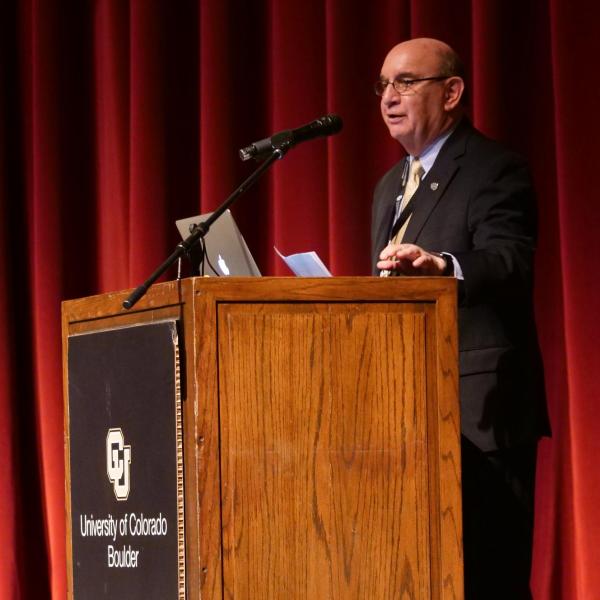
(390,95)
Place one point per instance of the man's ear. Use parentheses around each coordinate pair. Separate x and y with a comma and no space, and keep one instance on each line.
(453,92)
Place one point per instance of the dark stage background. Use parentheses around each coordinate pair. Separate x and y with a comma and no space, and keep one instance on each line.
(118,117)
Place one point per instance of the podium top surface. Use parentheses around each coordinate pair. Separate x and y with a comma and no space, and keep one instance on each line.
(267,289)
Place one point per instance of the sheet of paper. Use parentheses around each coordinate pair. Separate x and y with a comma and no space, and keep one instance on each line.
(305,264)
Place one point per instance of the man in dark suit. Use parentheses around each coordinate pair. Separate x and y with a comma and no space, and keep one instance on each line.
(471,214)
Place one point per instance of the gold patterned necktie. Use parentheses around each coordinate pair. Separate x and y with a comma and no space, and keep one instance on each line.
(412,183)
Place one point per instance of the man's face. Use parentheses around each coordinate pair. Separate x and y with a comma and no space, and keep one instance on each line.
(417,117)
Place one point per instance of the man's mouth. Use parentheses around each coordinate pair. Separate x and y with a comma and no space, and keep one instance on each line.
(394,118)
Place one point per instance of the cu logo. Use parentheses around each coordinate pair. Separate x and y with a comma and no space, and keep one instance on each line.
(118,459)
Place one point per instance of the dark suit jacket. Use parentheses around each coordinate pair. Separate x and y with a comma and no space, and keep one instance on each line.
(477,203)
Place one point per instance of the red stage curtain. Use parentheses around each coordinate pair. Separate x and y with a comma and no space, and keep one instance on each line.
(118,117)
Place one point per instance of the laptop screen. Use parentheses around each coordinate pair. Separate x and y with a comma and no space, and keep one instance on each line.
(226,248)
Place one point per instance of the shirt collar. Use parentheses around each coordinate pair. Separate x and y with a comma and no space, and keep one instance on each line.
(430,153)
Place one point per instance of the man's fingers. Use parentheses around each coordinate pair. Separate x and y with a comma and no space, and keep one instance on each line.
(408,259)
(420,261)
(387,252)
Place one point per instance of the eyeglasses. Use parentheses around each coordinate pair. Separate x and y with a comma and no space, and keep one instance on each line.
(403,86)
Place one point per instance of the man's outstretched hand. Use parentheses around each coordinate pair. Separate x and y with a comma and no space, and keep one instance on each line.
(410,259)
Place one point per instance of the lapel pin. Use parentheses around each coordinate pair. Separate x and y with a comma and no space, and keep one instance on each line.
(434,185)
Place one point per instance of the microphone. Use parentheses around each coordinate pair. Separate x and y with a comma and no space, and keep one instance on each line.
(327,125)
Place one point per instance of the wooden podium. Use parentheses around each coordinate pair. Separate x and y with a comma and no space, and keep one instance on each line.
(321,433)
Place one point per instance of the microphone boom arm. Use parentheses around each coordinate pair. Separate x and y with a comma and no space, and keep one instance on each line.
(201,229)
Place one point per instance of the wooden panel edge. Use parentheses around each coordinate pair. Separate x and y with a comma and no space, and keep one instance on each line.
(207,444)
(450,444)
(67,457)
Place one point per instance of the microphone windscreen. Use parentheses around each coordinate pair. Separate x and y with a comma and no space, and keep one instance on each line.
(332,124)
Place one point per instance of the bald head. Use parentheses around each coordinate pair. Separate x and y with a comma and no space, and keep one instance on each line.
(426,102)
(443,58)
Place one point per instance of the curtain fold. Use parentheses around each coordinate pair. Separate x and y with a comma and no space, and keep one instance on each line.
(117,118)
(574,43)
(111,119)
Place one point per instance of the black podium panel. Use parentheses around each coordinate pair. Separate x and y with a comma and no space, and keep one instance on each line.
(125,448)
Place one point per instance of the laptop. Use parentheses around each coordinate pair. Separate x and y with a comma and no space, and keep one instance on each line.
(226,248)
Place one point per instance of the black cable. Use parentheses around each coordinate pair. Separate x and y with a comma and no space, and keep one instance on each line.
(203,250)
(207,259)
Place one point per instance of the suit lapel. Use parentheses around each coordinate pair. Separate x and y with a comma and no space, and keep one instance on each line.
(435,183)
(384,226)
(430,192)
(386,215)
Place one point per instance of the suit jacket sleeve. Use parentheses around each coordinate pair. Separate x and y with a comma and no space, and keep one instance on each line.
(501,223)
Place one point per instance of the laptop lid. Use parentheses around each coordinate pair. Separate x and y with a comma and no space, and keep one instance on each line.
(225,246)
